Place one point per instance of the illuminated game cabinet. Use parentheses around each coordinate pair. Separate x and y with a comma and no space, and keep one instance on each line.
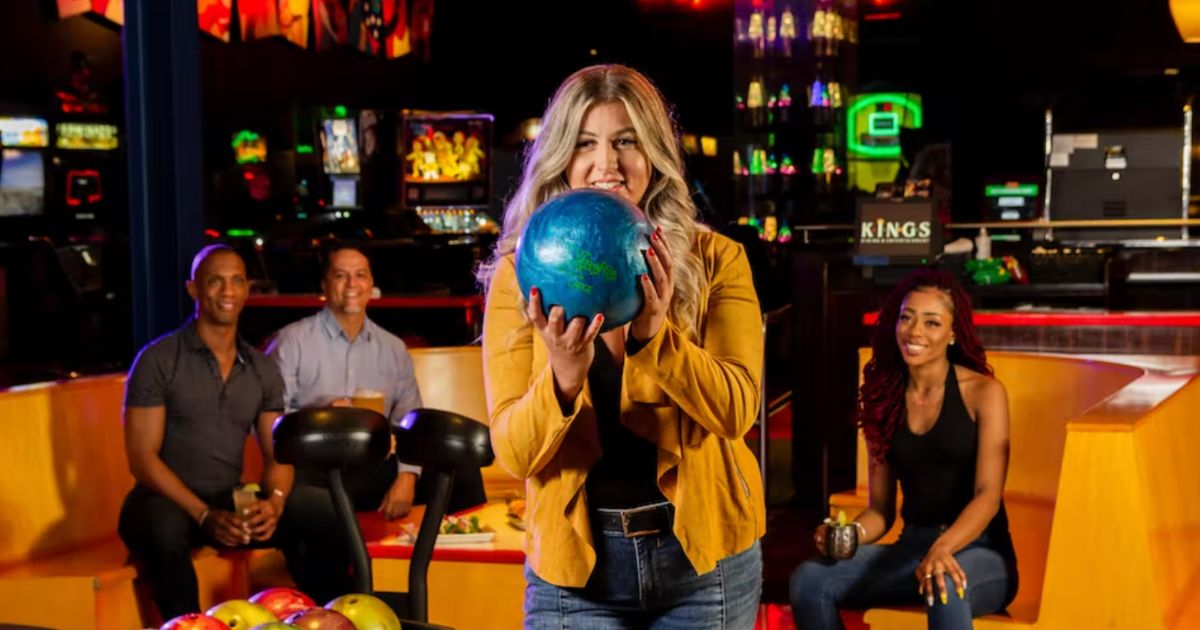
(84,162)
(446,179)
(1013,198)
(23,144)
(873,125)
(340,159)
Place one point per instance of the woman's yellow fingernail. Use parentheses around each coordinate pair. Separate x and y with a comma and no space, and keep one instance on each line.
(945,599)
(960,593)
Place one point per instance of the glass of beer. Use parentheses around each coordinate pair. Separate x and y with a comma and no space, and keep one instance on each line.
(368,399)
(244,497)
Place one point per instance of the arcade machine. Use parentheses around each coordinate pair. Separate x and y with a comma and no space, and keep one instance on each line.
(447,171)
(340,161)
(52,289)
(443,163)
(88,200)
(88,177)
(874,123)
(23,142)
(84,167)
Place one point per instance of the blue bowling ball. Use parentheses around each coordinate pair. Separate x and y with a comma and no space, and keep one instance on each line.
(585,251)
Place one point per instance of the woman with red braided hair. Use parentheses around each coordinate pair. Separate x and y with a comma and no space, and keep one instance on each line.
(936,422)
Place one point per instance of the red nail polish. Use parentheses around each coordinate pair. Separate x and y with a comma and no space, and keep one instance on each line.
(654,236)
(534,291)
(650,252)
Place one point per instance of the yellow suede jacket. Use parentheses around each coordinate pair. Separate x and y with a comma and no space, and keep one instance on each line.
(695,399)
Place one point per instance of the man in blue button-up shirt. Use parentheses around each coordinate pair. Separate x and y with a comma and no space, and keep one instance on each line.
(324,358)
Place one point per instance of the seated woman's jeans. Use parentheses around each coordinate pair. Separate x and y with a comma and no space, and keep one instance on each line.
(648,582)
(885,575)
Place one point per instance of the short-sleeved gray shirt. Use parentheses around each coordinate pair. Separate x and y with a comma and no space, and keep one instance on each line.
(207,419)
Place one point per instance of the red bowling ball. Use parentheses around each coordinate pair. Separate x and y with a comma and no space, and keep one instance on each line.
(320,619)
(284,602)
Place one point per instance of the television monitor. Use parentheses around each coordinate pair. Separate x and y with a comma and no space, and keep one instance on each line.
(339,144)
(345,192)
(22,183)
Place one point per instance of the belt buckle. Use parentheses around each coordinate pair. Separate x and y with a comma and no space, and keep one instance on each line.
(625,522)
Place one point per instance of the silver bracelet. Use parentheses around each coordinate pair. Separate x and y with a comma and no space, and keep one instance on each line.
(203,515)
(862,531)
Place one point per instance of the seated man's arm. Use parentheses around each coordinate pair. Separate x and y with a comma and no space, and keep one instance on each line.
(144,427)
(276,481)
(284,351)
(276,477)
(399,498)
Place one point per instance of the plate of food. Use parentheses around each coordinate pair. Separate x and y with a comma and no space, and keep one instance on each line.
(453,531)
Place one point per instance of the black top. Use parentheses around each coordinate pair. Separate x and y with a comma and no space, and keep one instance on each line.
(627,474)
(207,419)
(937,468)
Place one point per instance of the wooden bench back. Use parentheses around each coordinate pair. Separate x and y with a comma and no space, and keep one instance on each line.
(65,472)
(451,378)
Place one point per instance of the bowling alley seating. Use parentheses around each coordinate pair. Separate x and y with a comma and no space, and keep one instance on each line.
(61,562)
(1101,494)
(451,378)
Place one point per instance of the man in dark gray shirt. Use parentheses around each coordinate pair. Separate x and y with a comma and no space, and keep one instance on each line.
(191,400)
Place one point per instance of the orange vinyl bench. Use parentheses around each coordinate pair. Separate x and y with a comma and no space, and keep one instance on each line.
(61,562)
(1077,501)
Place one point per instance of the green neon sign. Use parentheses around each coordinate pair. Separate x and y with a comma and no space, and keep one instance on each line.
(339,111)
(249,147)
(910,104)
(304,149)
(243,137)
(238,232)
(1022,190)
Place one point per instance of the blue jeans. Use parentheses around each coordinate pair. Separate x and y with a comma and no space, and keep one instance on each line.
(648,582)
(884,575)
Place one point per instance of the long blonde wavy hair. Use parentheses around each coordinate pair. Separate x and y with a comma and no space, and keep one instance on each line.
(666,202)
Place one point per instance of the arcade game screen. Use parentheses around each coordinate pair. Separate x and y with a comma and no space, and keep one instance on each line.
(445,149)
(22,183)
(345,192)
(24,132)
(1013,200)
(339,144)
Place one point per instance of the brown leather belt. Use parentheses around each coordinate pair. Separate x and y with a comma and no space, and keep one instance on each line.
(639,521)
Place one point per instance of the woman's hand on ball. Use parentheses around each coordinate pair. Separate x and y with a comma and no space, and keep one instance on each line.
(569,344)
(658,287)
